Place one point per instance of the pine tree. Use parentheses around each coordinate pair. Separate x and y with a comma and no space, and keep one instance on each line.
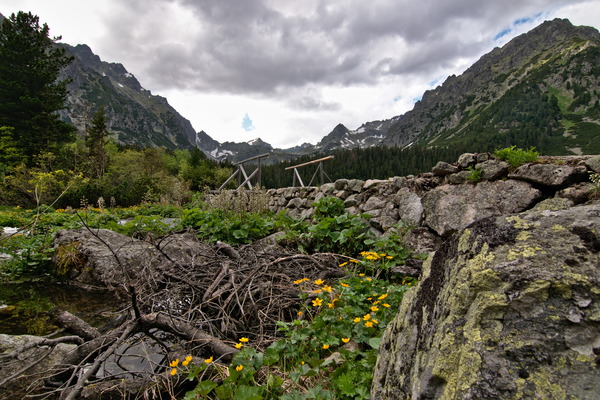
(96,141)
(30,91)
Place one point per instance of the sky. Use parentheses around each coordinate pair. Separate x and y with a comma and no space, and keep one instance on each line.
(290,71)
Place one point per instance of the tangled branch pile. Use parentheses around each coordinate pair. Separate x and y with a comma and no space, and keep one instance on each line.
(183,297)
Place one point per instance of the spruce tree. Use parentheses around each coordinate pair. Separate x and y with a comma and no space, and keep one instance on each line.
(30,90)
(97,135)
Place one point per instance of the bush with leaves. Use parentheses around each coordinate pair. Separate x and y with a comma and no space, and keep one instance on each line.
(334,230)
(516,157)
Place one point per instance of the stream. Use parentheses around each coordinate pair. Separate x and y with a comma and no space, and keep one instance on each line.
(24,307)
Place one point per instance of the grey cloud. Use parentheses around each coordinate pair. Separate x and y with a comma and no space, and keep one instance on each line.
(248,46)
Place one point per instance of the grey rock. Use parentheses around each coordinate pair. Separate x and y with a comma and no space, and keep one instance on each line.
(296,203)
(550,175)
(355,185)
(351,201)
(40,358)
(449,208)
(443,168)
(410,208)
(341,184)
(458,178)
(493,169)
(593,163)
(495,314)
(374,203)
(467,160)
(374,182)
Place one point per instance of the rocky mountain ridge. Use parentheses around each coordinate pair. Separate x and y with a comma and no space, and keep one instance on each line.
(540,89)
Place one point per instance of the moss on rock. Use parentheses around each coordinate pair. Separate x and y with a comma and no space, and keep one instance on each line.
(507,308)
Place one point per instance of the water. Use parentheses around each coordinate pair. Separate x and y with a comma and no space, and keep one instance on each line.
(25,307)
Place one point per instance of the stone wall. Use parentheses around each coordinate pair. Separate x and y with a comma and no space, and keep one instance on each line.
(447,199)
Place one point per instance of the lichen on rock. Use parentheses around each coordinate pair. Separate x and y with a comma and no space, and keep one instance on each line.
(507,308)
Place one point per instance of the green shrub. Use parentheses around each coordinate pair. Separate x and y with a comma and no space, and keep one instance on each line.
(334,230)
(214,224)
(516,157)
(475,175)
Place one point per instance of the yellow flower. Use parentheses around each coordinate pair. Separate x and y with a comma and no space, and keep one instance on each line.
(344,264)
(354,261)
(173,371)
(345,340)
(298,281)
(187,360)
(244,340)
(325,346)
(239,368)
(317,302)
(319,282)
(300,313)
(344,284)
(368,324)
(209,360)
(367,317)
(361,274)
(374,308)
(383,296)
(302,362)
(238,345)
(389,257)
(357,319)
(386,305)
(317,291)
(368,279)
(174,363)
(374,321)
(327,288)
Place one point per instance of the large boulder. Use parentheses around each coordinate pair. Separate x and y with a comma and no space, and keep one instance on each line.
(36,361)
(449,208)
(106,258)
(508,308)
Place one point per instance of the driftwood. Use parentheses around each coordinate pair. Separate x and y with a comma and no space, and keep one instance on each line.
(198,300)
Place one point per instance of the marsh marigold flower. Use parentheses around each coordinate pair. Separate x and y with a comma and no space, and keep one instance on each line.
(187,360)
(344,284)
(244,340)
(209,360)
(319,282)
(368,324)
(367,317)
(386,305)
(374,308)
(317,302)
(327,288)
(174,363)
(325,346)
(174,371)
(239,368)
(238,345)
(357,319)
(345,340)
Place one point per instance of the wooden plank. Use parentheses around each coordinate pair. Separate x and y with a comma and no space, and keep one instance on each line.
(310,162)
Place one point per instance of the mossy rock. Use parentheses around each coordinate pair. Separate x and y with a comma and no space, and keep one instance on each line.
(507,308)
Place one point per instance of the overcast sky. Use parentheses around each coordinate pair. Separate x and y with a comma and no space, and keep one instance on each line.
(289,71)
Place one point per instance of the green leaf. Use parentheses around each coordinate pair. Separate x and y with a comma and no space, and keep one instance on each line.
(205,387)
(245,392)
(374,342)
